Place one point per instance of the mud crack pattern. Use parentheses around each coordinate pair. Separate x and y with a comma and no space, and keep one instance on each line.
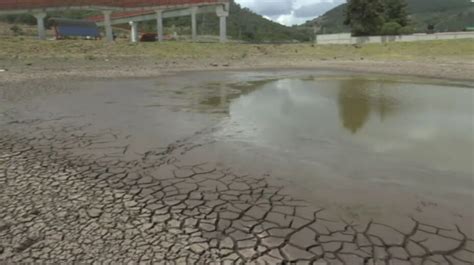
(61,204)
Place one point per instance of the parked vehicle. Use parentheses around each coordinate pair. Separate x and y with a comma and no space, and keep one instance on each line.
(149,37)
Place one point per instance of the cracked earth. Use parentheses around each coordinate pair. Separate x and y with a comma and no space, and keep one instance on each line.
(68,195)
(60,207)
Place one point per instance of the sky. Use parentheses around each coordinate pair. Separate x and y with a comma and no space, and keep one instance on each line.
(290,12)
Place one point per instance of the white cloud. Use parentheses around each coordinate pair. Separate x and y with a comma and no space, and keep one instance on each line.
(290,12)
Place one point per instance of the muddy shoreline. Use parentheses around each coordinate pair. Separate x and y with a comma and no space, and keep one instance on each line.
(53,69)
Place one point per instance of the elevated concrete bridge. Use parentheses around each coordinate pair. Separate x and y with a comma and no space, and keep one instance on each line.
(122,11)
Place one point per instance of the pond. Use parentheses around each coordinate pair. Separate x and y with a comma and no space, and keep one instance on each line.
(382,129)
(378,145)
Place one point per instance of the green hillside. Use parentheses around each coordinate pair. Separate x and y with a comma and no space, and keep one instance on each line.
(445,15)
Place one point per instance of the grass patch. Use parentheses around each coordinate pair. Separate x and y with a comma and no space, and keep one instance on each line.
(27,48)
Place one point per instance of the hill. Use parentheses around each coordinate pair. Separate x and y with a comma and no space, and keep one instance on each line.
(452,15)
(242,24)
(245,24)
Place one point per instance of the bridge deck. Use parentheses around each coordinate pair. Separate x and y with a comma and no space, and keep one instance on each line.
(12,5)
(118,15)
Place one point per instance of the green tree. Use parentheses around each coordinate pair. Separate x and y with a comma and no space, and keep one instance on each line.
(365,17)
(396,11)
(407,30)
(390,28)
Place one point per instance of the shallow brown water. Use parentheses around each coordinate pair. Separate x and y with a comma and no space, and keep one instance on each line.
(370,145)
(364,128)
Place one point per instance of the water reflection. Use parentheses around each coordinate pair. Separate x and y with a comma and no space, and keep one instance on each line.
(354,104)
(386,105)
(358,98)
(217,96)
(427,124)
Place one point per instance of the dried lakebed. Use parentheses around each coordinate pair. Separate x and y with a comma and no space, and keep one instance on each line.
(237,167)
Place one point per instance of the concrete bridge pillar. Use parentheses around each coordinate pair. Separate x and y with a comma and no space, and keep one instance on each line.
(222,14)
(41,28)
(133,31)
(159,24)
(193,22)
(108,25)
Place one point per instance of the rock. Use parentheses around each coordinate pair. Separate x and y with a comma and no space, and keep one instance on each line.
(295,253)
(3,70)
(129,204)
(389,235)
(303,238)
(248,252)
(174,223)
(398,252)
(94,212)
(227,243)
(207,227)
(199,248)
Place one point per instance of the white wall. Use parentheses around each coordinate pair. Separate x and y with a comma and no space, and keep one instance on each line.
(346,38)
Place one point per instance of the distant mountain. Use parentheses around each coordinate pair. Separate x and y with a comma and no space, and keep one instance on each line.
(445,15)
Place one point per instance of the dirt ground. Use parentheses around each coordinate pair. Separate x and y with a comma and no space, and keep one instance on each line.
(25,58)
(118,68)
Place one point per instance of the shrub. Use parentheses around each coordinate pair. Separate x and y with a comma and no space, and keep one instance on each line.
(390,28)
(16,30)
(407,30)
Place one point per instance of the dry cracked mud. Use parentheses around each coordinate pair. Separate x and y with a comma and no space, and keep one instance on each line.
(62,201)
